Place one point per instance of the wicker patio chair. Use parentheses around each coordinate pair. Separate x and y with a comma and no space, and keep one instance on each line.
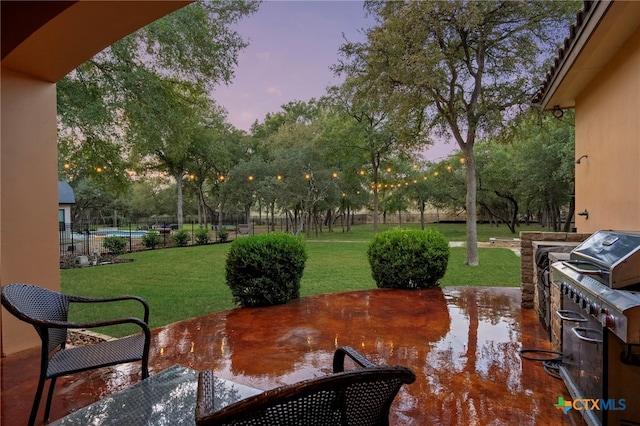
(357,397)
(47,311)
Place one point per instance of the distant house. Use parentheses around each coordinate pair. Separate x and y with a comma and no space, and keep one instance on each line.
(597,73)
(66,199)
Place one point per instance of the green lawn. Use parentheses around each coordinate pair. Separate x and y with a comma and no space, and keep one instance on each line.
(181,283)
(451,231)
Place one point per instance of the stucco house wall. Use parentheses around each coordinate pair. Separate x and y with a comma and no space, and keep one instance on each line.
(608,132)
(28,189)
(41,43)
(597,72)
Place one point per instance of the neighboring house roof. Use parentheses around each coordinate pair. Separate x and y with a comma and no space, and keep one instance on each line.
(65,193)
(600,29)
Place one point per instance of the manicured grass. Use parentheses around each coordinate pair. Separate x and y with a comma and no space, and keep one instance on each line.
(451,231)
(180,283)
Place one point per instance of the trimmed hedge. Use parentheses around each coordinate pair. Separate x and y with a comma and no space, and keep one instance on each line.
(265,269)
(151,239)
(202,235)
(408,258)
(181,237)
(115,244)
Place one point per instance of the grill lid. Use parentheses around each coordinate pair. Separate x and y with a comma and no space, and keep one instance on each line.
(613,256)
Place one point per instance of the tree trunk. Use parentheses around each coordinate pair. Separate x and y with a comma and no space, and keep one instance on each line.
(570,213)
(376,206)
(273,217)
(178,178)
(472,214)
(247,213)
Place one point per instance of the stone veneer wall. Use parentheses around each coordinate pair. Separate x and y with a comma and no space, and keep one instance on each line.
(529,276)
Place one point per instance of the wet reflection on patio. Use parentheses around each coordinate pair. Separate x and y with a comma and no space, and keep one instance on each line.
(463,343)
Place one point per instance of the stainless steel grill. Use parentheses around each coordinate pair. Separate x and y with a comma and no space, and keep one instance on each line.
(612,258)
(598,268)
(617,310)
(600,290)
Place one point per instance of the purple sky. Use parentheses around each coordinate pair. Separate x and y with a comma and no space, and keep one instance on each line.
(292,44)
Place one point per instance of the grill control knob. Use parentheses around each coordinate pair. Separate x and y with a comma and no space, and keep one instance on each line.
(608,321)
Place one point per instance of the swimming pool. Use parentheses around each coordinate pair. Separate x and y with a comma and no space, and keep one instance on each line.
(133,234)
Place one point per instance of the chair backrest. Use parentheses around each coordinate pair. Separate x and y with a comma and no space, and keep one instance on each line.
(39,307)
(355,398)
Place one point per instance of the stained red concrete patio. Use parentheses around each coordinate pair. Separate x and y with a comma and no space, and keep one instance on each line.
(463,344)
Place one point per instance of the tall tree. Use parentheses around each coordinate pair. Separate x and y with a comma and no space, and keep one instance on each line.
(164,130)
(192,49)
(464,64)
(499,183)
(544,153)
(377,136)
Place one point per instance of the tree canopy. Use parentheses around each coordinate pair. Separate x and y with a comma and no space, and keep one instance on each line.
(460,67)
(114,102)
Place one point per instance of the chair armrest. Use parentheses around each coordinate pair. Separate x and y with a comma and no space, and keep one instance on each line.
(80,325)
(339,355)
(83,299)
(205,395)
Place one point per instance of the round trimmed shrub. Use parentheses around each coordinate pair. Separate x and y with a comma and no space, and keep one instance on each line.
(265,269)
(202,235)
(408,258)
(223,234)
(181,237)
(115,244)
(151,239)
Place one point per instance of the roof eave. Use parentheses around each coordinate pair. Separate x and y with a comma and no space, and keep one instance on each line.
(567,55)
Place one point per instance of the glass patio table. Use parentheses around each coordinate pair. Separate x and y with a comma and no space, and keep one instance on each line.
(166,398)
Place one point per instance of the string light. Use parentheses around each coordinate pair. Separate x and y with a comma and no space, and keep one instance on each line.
(379,185)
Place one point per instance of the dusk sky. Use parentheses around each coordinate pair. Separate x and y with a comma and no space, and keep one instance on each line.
(292,44)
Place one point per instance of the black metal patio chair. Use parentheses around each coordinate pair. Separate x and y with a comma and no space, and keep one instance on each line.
(48,311)
(359,397)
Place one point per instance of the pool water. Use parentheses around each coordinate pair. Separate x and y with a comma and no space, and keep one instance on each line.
(120,233)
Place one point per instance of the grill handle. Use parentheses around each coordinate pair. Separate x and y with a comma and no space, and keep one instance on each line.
(566,315)
(581,332)
(573,264)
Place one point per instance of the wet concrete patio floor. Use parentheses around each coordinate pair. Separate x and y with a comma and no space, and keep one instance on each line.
(462,342)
